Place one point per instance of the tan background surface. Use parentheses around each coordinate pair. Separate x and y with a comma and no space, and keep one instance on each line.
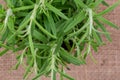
(108,58)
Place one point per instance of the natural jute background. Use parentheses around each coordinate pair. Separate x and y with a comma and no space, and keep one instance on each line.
(108,59)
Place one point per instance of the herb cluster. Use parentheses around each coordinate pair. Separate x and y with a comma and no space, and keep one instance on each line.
(52,33)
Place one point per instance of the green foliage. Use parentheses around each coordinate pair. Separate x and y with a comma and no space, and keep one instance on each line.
(52,33)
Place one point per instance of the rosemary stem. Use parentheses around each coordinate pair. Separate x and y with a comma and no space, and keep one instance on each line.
(90,29)
(53,63)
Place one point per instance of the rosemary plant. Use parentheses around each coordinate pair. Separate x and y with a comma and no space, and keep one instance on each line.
(50,34)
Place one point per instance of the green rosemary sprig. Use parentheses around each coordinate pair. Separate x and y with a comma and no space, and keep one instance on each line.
(52,33)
